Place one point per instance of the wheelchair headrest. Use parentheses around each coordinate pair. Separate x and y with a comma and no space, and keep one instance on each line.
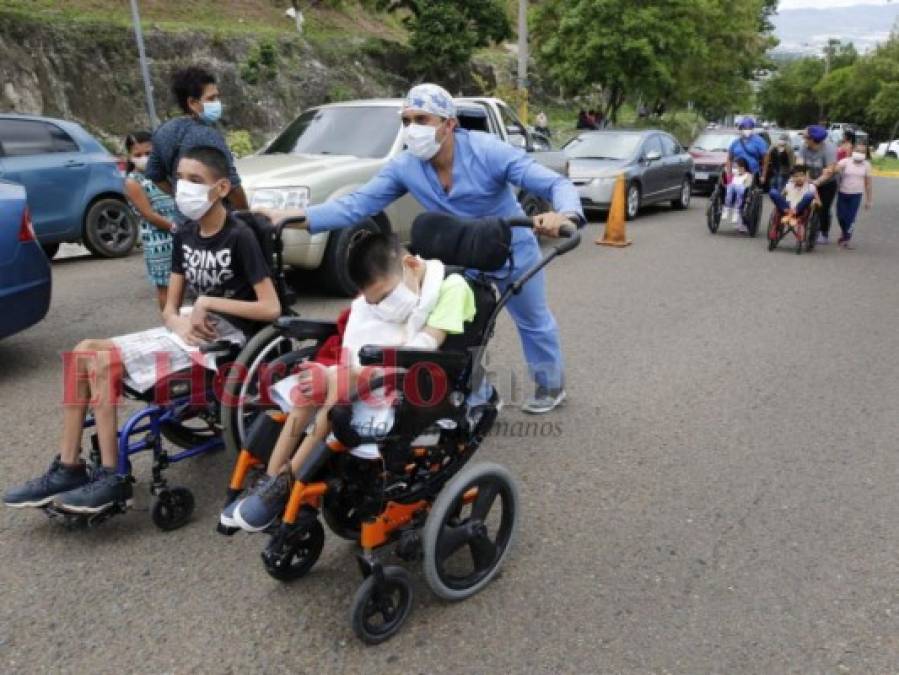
(482,244)
(264,231)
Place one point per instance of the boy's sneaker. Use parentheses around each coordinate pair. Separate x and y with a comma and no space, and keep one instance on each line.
(227,517)
(41,490)
(264,504)
(105,488)
(544,400)
(741,228)
(822,239)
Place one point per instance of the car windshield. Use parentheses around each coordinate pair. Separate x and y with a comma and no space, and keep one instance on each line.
(713,142)
(363,131)
(602,146)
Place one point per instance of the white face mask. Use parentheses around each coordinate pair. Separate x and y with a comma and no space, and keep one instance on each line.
(397,306)
(746,133)
(140,163)
(421,139)
(858,157)
(192,199)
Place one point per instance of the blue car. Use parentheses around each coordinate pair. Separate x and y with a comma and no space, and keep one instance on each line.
(75,187)
(24,269)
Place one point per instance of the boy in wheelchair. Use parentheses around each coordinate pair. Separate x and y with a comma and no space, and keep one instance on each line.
(403,301)
(218,260)
(793,205)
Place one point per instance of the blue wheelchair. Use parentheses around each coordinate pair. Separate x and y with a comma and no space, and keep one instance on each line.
(184,415)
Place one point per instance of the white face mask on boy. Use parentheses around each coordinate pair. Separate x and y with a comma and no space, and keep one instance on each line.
(192,199)
(858,157)
(398,306)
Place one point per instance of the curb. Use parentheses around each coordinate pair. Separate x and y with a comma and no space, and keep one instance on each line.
(885,174)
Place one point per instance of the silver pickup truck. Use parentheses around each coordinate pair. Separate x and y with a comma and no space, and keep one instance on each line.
(331,150)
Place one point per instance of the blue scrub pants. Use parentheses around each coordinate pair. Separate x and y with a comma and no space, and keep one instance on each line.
(536,325)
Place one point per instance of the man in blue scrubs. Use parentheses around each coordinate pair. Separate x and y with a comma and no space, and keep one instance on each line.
(470,175)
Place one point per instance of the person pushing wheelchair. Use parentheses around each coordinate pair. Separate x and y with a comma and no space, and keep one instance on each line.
(468,174)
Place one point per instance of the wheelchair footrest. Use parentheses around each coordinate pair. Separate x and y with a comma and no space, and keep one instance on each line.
(72,519)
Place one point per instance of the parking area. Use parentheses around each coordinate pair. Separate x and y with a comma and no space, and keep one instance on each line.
(718,494)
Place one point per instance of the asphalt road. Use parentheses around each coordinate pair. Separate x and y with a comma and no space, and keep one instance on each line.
(718,495)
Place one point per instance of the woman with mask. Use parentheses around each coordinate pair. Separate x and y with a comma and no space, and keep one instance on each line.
(470,175)
(197,95)
(855,180)
(156,211)
(820,156)
(779,162)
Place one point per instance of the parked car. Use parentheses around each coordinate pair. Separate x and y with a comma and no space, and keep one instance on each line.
(709,153)
(890,150)
(654,164)
(75,187)
(24,270)
(797,138)
(331,150)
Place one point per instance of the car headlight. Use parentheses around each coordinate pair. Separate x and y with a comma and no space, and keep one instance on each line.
(280,198)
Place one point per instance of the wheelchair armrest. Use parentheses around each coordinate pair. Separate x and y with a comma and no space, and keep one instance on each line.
(406,357)
(295,327)
(219,347)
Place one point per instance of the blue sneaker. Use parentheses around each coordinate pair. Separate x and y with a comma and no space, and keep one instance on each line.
(227,517)
(40,491)
(264,504)
(105,489)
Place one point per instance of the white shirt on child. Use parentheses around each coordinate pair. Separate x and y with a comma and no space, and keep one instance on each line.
(794,194)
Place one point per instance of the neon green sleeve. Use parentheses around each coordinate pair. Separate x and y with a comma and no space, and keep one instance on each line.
(455,305)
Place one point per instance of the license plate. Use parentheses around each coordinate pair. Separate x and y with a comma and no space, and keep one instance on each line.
(702,175)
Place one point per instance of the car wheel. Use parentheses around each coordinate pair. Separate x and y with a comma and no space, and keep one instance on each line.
(110,230)
(632,206)
(683,200)
(50,250)
(333,272)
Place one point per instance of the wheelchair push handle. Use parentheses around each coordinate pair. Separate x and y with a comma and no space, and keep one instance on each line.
(568,231)
(572,236)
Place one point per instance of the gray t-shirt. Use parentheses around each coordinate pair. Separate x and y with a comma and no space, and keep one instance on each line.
(816,160)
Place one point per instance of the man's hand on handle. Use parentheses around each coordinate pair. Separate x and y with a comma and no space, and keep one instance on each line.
(548,224)
(277,215)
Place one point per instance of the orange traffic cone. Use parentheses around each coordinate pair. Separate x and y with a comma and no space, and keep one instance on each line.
(615,232)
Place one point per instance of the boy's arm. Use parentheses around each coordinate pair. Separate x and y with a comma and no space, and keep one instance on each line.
(266,307)
(139,201)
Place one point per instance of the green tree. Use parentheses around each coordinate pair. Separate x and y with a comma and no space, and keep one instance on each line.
(670,51)
(445,33)
(789,95)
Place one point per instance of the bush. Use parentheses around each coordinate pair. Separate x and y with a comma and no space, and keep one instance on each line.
(240,142)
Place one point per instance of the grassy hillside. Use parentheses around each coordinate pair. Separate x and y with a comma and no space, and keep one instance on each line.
(260,17)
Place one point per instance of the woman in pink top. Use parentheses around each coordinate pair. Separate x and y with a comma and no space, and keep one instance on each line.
(855,180)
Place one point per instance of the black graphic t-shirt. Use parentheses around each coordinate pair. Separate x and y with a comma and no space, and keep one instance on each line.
(225,265)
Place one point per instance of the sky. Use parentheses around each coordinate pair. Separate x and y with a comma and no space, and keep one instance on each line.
(822,4)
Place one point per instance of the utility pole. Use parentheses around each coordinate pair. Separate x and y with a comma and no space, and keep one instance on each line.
(523,60)
(144,67)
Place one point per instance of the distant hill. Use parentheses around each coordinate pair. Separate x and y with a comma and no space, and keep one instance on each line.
(805,31)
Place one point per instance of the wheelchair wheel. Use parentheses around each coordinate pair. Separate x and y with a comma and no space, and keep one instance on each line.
(811,230)
(713,211)
(380,609)
(342,517)
(774,233)
(292,552)
(172,508)
(464,547)
(261,351)
(754,212)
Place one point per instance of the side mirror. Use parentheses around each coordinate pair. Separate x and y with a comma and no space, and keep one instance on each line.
(652,156)
(518,140)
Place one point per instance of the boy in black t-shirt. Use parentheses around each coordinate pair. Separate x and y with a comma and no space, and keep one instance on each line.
(218,261)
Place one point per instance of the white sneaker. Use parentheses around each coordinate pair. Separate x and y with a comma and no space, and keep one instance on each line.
(741,228)
(737,217)
(726,214)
